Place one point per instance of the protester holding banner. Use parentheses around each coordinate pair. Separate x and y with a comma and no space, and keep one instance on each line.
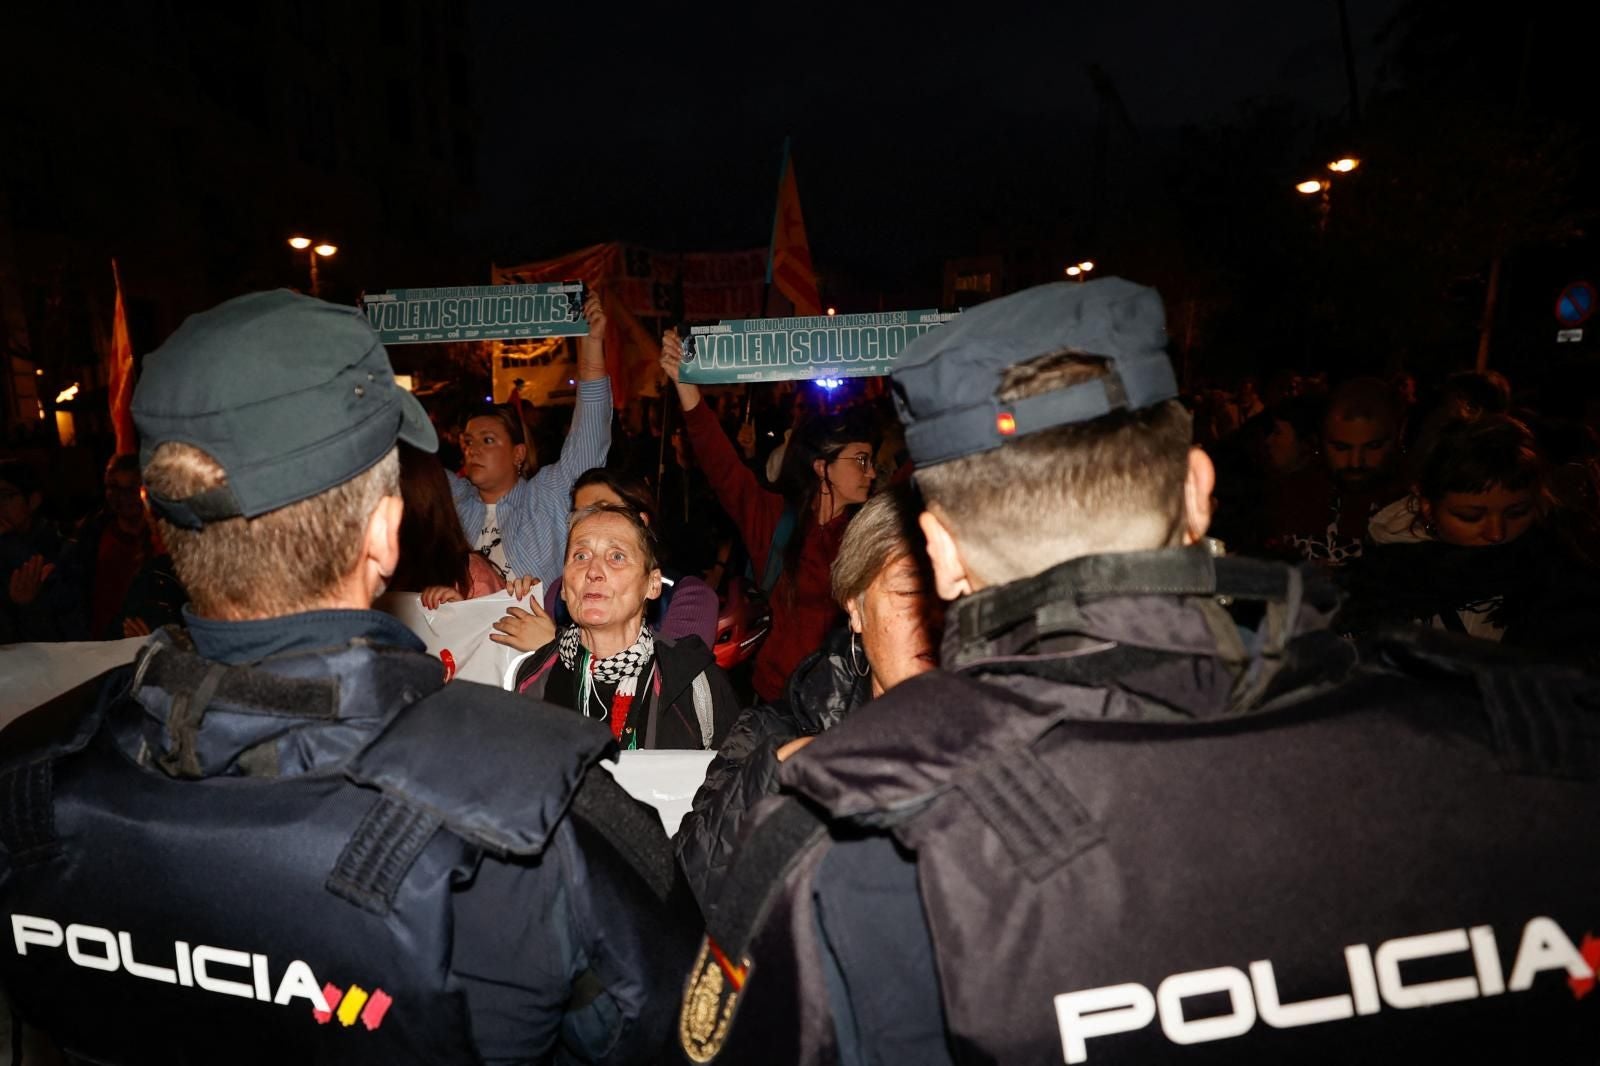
(517,523)
(792,537)
(653,691)
(881,579)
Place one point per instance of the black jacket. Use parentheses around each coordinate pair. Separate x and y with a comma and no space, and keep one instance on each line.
(664,715)
(822,691)
(312,792)
(1121,826)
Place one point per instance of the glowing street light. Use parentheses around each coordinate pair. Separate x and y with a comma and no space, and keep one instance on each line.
(1344,165)
(1311,188)
(1073,271)
(323,250)
(1080,270)
(832,311)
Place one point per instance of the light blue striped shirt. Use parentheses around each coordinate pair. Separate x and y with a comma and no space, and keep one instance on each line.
(533,515)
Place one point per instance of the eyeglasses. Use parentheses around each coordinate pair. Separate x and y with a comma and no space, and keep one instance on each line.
(863,460)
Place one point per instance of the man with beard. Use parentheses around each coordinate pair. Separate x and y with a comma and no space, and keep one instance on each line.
(1320,514)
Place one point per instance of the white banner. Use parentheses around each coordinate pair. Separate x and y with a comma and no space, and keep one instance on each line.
(458,633)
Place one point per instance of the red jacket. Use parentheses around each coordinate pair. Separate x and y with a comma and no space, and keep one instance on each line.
(803,610)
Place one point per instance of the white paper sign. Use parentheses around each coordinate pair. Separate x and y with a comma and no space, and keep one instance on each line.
(462,629)
(667,780)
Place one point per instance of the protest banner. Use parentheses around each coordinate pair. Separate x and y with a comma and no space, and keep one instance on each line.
(478,313)
(823,346)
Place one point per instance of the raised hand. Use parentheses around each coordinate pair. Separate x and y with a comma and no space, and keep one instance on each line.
(671,365)
(27,579)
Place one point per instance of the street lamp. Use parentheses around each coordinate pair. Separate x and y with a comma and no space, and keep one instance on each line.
(1080,270)
(1315,186)
(322,250)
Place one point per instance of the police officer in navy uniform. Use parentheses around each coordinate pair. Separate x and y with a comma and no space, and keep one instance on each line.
(1151,809)
(279,835)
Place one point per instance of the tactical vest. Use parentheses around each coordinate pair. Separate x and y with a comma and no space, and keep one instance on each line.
(1395,868)
(167,917)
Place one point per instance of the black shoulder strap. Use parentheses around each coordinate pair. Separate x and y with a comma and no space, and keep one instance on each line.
(30,744)
(632,828)
(1038,819)
(763,861)
(1544,720)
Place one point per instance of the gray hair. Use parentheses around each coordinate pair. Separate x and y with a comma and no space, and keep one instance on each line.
(884,530)
(647,539)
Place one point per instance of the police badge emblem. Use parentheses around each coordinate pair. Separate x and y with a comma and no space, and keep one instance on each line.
(710,999)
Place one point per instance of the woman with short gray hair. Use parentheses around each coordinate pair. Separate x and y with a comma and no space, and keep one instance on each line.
(652,691)
(880,578)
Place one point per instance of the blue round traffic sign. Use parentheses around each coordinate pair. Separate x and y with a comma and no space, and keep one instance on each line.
(1575,304)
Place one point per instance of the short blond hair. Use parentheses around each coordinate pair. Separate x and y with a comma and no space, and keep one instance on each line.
(275,564)
(1112,484)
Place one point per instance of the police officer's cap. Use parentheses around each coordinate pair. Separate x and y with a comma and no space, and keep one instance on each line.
(291,395)
(946,381)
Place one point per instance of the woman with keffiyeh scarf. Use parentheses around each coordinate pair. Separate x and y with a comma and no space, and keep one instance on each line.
(651,692)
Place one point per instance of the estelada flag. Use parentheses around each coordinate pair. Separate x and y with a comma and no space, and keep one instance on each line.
(789,258)
(119,375)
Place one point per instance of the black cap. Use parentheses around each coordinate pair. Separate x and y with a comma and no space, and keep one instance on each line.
(291,395)
(946,381)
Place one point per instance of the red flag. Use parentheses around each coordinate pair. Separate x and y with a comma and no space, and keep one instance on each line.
(119,375)
(789,260)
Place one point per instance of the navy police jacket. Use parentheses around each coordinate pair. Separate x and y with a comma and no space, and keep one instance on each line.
(1122,827)
(291,842)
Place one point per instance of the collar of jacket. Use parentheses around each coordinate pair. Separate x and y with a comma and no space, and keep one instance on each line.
(825,687)
(288,713)
(260,638)
(1158,600)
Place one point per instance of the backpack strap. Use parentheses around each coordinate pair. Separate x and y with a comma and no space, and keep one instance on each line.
(781,535)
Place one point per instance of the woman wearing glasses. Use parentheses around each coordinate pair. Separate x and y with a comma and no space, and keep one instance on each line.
(792,535)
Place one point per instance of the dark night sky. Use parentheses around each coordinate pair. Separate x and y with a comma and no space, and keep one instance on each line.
(914,135)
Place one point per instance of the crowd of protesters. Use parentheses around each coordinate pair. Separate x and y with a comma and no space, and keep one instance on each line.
(1462,506)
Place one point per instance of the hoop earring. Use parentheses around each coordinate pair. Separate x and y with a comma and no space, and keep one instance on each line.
(855,664)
